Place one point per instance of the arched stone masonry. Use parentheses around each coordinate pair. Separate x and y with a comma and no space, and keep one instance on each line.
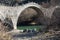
(34,6)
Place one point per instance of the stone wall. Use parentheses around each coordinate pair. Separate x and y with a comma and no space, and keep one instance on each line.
(55,2)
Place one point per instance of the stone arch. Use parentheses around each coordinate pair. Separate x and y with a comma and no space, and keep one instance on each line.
(35,7)
(55,18)
(32,5)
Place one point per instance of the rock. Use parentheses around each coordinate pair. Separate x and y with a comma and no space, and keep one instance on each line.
(3,32)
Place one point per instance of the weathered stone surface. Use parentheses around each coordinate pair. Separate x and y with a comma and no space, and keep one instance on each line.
(44,13)
(55,2)
(3,32)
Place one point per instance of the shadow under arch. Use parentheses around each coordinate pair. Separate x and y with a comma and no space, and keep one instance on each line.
(8,23)
(34,17)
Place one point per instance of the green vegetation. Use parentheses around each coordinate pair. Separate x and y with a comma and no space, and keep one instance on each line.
(29,27)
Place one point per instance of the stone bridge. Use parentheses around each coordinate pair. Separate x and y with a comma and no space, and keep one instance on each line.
(14,12)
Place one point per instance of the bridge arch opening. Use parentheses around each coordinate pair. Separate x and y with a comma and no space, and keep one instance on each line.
(55,19)
(29,17)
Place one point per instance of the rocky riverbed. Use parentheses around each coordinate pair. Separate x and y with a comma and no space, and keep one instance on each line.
(52,35)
